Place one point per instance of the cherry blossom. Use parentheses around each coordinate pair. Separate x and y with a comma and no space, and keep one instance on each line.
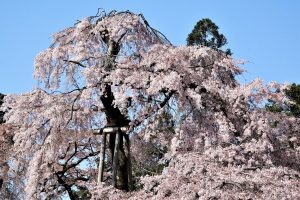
(195,131)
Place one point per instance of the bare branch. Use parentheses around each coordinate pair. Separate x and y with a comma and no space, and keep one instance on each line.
(75,62)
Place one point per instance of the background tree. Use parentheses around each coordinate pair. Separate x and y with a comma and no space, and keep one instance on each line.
(206,33)
(290,107)
(293,93)
(115,69)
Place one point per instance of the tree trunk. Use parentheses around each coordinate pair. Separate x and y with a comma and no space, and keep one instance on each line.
(120,176)
(115,118)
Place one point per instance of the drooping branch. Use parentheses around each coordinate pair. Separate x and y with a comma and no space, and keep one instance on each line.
(75,62)
(66,177)
(154,109)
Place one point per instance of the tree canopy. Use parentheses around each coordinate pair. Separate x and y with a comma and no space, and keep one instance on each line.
(206,33)
(291,107)
(205,135)
(293,93)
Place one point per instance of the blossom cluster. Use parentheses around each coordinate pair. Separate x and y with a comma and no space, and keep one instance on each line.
(196,133)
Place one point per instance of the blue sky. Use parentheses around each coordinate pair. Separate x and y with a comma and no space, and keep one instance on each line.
(264,32)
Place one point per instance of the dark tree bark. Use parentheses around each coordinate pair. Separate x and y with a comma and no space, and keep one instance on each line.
(115,118)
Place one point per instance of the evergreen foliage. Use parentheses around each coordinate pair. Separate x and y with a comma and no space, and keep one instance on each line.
(290,108)
(206,33)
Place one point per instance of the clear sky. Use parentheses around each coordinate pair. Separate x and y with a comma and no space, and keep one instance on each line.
(264,32)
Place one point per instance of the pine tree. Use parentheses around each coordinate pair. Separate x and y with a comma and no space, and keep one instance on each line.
(290,108)
(206,33)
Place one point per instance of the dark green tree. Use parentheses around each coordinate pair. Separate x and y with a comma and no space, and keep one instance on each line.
(290,108)
(206,33)
(1,113)
(293,94)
